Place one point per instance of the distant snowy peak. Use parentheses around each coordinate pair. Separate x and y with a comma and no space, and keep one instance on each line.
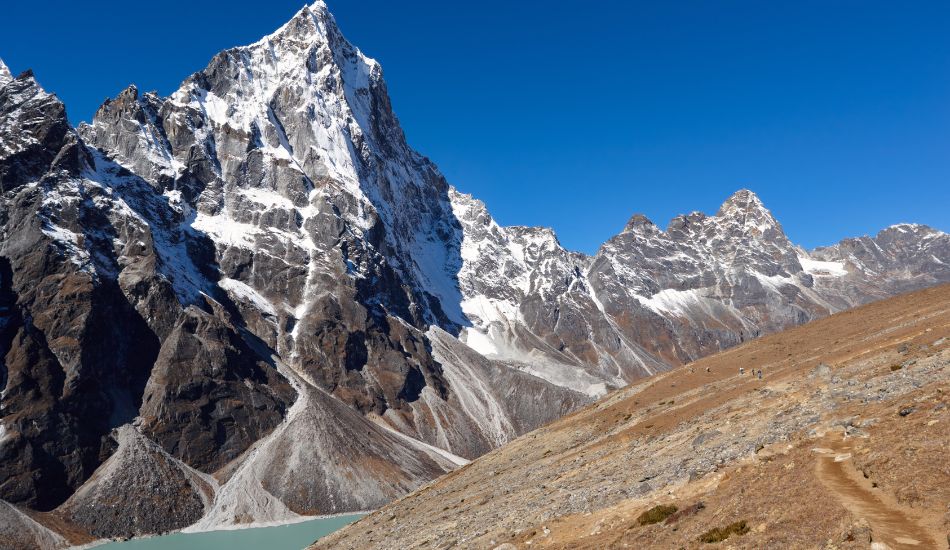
(898,239)
(911,232)
(742,235)
(648,299)
(896,253)
(747,206)
(743,215)
(639,222)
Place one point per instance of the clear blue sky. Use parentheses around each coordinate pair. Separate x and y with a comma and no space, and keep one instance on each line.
(575,115)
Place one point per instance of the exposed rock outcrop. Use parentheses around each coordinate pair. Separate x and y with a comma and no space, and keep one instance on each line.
(139,490)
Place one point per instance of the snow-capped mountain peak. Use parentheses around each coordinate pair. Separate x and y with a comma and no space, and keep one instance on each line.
(306,64)
(746,209)
(5,75)
(639,222)
(742,200)
(264,244)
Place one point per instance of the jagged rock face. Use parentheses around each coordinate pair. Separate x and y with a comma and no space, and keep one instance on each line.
(898,259)
(167,274)
(37,136)
(715,280)
(320,213)
(647,300)
(651,298)
(530,303)
(93,264)
(257,278)
(129,127)
(210,396)
(75,352)
(336,242)
(5,75)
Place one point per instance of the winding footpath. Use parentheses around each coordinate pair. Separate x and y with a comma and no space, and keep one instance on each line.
(896,526)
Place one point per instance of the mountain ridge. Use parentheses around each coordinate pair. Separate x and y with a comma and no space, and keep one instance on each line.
(712,444)
(260,259)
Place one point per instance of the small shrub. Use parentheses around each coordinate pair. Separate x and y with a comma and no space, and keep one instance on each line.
(656,514)
(720,534)
(895,367)
(684,513)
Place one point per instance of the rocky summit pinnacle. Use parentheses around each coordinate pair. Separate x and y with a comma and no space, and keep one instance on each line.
(747,209)
(5,75)
(639,222)
(36,135)
(255,298)
(743,199)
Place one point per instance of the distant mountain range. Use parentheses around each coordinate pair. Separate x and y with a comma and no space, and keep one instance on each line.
(252,300)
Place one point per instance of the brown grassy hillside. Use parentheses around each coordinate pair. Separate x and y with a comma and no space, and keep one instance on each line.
(844,441)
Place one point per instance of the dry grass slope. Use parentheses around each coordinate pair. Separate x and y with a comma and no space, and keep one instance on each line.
(833,448)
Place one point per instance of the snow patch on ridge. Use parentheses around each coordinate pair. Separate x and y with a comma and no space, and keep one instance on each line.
(822,269)
(496,319)
(479,341)
(671,301)
(5,75)
(774,282)
(245,293)
(484,311)
(565,376)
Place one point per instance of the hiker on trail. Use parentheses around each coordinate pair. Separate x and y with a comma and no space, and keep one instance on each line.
(760,374)
(741,370)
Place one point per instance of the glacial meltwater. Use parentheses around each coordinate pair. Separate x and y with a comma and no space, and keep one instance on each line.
(283,537)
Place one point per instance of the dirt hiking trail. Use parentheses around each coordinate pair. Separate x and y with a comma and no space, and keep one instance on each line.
(891,523)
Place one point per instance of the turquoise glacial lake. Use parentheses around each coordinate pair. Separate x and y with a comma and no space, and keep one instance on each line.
(283,537)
